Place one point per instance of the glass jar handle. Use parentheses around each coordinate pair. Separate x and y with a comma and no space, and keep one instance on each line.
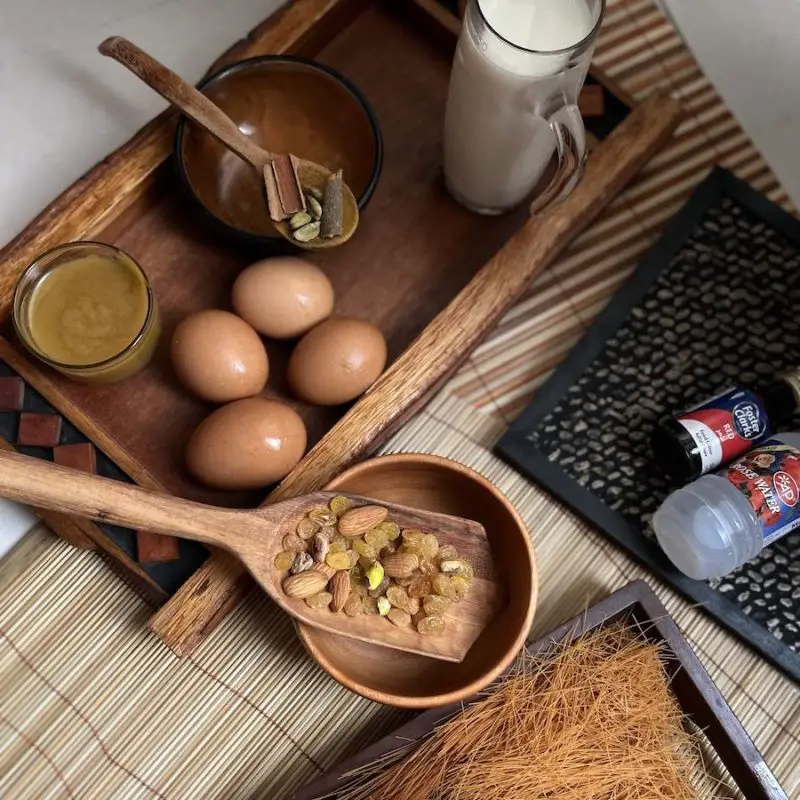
(567,125)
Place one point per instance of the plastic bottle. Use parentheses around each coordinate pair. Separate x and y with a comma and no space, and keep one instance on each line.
(721,428)
(722,520)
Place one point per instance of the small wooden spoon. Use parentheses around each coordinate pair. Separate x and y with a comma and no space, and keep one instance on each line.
(256,535)
(198,107)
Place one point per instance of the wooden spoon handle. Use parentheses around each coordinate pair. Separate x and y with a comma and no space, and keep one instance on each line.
(68,491)
(184,96)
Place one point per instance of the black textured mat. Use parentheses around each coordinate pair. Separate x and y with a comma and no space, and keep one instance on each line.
(715,302)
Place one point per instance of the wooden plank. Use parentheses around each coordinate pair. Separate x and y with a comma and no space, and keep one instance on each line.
(436,353)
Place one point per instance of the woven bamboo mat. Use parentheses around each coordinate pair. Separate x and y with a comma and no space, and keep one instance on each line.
(92,706)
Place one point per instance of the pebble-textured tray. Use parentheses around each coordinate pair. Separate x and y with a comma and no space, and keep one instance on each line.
(713,303)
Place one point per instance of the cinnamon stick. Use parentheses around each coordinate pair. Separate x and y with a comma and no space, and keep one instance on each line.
(284,168)
(332,207)
(273,200)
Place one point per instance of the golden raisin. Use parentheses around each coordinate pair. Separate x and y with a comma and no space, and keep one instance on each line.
(399,617)
(293,542)
(397,596)
(370,605)
(324,517)
(459,586)
(338,560)
(420,586)
(442,585)
(284,559)
(413,605)
(340,504)
(338,545)
(414,550)
(364,549)
(430,626)
(319,600)
(412,536)
(390,529)
(376,538)
(427,567)
(306,528)
(429,545)
(353,605)
(436,604)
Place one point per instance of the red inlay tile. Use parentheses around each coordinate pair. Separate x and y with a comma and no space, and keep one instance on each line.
(12,393)
(76,456)
(155,547)
(39,430)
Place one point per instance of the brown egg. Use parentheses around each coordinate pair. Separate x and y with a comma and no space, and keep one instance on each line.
(336,361)
(219,357)
(247,444)
(282,297)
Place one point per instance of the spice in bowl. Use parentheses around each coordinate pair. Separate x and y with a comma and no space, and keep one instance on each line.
(357,561)
(88,311)
(324,213)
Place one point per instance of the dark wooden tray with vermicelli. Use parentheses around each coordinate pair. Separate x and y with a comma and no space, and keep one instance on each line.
(432,276)
(699,699)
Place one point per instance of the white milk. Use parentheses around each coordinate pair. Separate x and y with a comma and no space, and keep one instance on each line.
(496,143)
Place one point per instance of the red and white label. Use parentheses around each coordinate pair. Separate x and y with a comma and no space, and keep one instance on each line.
(786,489)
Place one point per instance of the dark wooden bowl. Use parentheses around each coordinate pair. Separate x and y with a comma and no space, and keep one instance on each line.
(286,105)
(411,681)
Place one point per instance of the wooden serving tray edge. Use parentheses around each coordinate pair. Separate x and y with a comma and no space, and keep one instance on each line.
(128,173)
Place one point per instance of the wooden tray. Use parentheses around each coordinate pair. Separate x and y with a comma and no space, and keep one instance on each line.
(421,268)
(696,693)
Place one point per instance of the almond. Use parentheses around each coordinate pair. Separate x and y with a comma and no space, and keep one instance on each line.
(324,569)
(400,565)
(340,589)
(304,584)
(356,521)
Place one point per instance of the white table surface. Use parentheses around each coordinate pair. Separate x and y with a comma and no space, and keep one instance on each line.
(64,106)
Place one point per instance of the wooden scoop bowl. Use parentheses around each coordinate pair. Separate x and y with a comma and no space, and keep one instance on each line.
(256,535)
(198,107)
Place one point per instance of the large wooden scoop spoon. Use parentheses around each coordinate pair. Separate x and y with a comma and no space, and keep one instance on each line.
(256,537)
(198,107)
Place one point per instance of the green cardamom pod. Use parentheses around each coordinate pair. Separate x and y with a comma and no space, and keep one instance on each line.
(299,219)
(307,232)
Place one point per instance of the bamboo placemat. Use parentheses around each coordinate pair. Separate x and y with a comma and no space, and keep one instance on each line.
(92,706)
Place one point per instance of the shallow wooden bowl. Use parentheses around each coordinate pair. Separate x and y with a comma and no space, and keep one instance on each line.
(411,681)
(286,105)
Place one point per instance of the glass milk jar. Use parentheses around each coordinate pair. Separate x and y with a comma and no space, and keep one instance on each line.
(512,104)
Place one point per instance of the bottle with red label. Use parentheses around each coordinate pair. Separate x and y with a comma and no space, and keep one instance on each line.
(722,520)
(724,427)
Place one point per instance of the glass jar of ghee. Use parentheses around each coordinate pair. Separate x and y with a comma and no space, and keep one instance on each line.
(87,310)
